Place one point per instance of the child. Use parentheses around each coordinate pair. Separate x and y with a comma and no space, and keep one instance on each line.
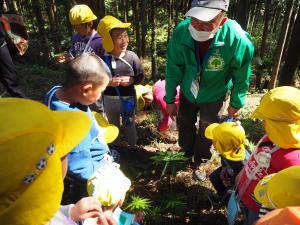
(87,39)
(159,92)
(144,96)
(33,143)
(278,149)
(85,80)
(109,185)
(126,70)
(228,139)
(278,190)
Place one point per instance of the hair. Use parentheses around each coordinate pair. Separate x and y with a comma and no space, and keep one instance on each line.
(85,68)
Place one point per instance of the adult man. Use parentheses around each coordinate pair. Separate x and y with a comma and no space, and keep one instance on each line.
(207,56)
(8,74)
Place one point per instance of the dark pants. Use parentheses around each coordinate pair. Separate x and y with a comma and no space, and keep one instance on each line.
(74,189)
(217,182)
(8,74)
(192,139)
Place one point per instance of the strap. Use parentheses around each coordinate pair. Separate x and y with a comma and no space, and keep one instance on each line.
(256,169)
(52,92)
(88,44)
(127,63)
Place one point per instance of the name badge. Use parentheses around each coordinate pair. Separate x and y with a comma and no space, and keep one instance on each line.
(195,88)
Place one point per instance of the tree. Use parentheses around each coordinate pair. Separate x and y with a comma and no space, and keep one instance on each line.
(153,41)
(37,9)
(53,21)
(281,42)
(293,55)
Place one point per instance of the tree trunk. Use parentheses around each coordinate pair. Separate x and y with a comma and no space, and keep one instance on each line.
(280,44)
(243,13)
(265,32)
(136,22)
(153,42)
(55,34)
(253,16)
(144,27)
(292,22)
(293,56)
(169,11)
(37,10)
(12,5)
(67,7)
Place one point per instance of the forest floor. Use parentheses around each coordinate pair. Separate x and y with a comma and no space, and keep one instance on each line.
(178,199)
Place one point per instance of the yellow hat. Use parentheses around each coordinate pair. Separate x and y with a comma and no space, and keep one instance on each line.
(80,14)
(140,90)
(111,131)
(285,216)
(33,139)
(229,138)
(279,190)
(105,25)
(108,184)
(280,109)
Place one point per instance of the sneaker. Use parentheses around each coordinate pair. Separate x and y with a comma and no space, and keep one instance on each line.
(199,175)
(116,155)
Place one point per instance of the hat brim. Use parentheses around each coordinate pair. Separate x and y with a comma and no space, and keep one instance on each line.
(260,191)
(257,114)
(232,155)
(209,130)
(120,25)
(75,126)
(203,14)
(110,131)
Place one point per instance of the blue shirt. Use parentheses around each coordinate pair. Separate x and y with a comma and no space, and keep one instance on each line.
(88,155)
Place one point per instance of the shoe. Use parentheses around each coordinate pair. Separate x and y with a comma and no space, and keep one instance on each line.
(199,175)
(116,155)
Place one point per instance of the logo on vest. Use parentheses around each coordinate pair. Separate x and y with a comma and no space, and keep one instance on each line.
(215,62)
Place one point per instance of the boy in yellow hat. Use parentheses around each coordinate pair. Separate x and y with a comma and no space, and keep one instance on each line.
(278,148)
(84,83)
(278,190)
(86,39)
(126,71)
(33,143)
(228,139)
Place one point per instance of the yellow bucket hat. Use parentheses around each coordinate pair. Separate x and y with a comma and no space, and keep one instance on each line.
(108,184)
(279,190)
(229,138)
(111,131)
(33,139)
(105,25)
(140,90)
(280,109)
(80,14)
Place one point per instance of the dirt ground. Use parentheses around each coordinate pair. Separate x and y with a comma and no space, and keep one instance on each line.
(197,202)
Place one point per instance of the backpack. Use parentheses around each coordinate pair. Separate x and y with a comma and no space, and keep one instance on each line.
(16,35)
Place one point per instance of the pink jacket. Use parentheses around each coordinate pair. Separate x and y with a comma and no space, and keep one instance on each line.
(158,94)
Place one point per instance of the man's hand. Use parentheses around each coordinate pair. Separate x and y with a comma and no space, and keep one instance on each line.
(172,111)
(232,112)
(88,207)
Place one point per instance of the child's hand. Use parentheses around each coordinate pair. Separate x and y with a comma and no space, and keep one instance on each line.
(85,208)
(139,217)
(126,80)
(224,177)
(115,81)
(106,220)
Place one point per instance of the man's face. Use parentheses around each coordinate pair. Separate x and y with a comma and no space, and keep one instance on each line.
(120,39)
(207,26)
